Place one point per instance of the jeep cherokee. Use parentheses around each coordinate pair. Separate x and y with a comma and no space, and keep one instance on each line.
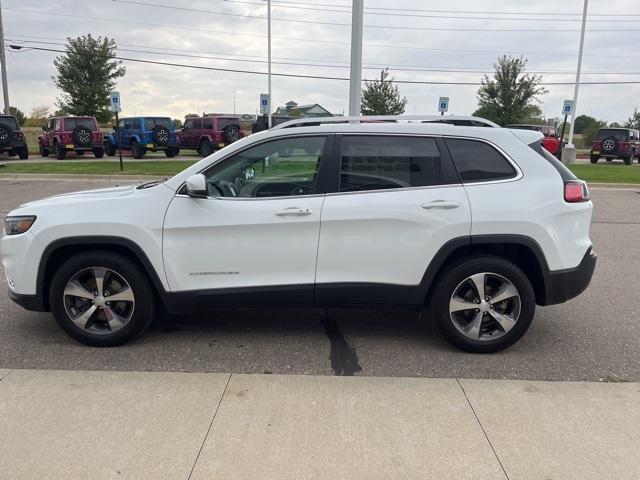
(12,140)
(479,224)
(142,134)
(64,134)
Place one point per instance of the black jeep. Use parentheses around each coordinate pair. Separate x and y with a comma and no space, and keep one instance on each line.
(12,139)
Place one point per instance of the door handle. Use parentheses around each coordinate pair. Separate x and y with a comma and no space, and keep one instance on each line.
(294,211)
(443,204)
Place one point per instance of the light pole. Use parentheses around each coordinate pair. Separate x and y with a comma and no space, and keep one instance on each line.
(269,60)
(571,151)
(234,102)
(355,85)
(3,67)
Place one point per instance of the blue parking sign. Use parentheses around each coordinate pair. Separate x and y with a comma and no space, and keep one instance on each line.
(115,101)
(567,107)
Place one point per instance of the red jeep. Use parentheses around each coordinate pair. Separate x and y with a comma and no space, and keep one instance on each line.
(551,142)
(78,134)
(207,134)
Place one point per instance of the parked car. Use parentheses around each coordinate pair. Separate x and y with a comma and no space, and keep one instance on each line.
(613,143)
(261,122)
(143,134)
(551,141)
(65,134)
(12,140)
(207,134)
(395,214)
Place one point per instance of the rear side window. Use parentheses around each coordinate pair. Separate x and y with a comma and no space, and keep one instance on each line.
(377,163)
(478,161)
(207,123)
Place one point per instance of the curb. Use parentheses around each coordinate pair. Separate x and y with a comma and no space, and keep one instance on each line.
(614,185)
(81,177)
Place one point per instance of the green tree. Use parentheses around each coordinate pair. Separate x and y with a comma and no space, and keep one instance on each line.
(16,112)
(38,116)
(177,123)
(583,122)
(590,131)
(382,97)
(87,72)
(617,125)
(634,120)
(508,97)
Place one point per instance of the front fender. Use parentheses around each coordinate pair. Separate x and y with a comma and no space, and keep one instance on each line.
(43,140)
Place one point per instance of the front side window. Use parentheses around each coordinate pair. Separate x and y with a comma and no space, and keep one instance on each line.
(278,168)
(135,124)
(478,161)
(378,163)
(188,125)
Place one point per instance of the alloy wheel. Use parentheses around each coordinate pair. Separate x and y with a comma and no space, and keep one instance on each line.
(99,300)
(485,306)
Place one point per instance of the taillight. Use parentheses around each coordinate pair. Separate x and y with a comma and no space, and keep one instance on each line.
(19,135)
(576,191)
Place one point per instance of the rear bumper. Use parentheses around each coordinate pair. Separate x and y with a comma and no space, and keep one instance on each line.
(12,146)
(564,285)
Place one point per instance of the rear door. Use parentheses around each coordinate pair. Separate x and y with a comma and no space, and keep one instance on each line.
(398,201)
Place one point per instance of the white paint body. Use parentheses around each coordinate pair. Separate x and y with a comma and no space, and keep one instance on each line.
(384,236)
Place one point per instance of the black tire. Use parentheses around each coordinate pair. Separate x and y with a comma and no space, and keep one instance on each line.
(44,151)
(12,153)
(61,151)
(160,136)
(23,153)
(137,150)
(109,149)
(609,159)
(82,136)
(231,134)
(595,158)
(134,276)
(171,152)
(6,134)
(447,283)
(206,148)
(627,159)
(98,152)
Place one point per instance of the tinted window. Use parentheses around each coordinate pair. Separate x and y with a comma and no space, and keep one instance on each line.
(135,124)
(207,123)
(376,163)
(71,123)
(620,135)
(197,123)
(278,168)
(151,123)
(188,125)
(9,122)
(478,161)
(225,122)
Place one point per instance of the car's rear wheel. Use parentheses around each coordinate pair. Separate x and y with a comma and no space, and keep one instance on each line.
(627,159)
(98,152)
(109,149)
(101,298)
(595,158)
(61,151)
(206,148)
(609,159)
(483,304)
(23,153)
(171,152)
(137,150)
(44,151)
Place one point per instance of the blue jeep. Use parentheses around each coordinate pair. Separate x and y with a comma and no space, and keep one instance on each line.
(142,134)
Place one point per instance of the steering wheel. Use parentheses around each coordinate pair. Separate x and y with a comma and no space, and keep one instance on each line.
(228,189)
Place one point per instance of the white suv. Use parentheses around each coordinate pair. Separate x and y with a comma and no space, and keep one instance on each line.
(479,224)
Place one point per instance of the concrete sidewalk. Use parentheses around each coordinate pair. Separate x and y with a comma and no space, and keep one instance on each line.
(75,424)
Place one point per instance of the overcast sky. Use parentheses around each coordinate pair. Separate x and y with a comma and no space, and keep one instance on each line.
(420,42)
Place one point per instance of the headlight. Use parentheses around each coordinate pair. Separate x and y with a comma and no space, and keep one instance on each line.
(18,224)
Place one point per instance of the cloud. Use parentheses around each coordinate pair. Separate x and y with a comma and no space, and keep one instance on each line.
(175,91)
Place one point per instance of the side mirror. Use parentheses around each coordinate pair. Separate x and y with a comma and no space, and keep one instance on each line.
(197,186)
(248,173)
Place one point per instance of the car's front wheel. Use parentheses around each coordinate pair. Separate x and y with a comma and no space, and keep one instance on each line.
(483,304)
(101,298)
(23,153)
(137,150)
(595,158)
(61,151)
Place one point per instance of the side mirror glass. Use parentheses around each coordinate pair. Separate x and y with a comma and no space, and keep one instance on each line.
(197,186)
(248,173)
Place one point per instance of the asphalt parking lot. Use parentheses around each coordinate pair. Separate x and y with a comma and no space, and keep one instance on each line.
(594,337)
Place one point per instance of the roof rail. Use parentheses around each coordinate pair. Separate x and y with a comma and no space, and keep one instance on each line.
(380,118)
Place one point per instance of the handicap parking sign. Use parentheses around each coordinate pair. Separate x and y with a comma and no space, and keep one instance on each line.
(443,104)
(115,101)
(567,107)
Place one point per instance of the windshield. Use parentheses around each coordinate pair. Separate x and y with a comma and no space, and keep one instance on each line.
(620,135)
(9,122)
(72,123)
(151,123)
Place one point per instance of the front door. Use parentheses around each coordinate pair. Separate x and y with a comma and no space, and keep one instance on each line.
(399,201)
(254,239)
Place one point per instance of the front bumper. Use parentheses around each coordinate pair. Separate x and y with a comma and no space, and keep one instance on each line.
(564,285)
(28,302)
